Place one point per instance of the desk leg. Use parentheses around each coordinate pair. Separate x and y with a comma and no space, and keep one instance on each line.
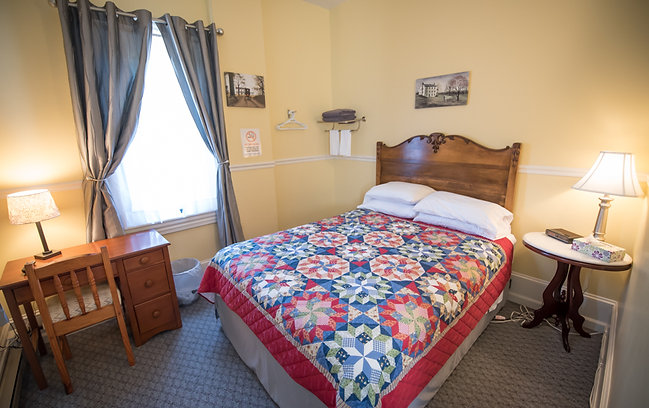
(31,318)
(551,297)
(575,299)
(28,350)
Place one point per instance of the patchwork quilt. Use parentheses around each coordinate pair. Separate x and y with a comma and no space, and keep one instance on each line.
(362,309)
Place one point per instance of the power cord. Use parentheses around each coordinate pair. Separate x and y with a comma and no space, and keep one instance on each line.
(15,341)
(524,315)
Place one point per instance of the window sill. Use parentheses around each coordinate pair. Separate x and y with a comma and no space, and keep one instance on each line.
(179,224)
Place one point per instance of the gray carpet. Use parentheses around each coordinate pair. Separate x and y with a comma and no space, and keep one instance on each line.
(197,367)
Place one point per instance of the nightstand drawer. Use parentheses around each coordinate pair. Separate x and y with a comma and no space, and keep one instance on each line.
(148,283)
(155,313)
(143,260)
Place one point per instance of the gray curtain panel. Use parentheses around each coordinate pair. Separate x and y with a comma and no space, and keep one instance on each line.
(195,58)
(106,57)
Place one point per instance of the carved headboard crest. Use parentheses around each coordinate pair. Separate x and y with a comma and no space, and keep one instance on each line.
(437,139)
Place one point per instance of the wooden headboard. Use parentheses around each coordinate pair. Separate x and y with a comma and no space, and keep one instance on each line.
(451,163)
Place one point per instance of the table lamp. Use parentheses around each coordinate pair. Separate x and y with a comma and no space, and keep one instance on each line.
(33,206)
(613,173)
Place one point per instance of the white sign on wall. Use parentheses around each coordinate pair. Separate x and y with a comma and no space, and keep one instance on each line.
(250,142)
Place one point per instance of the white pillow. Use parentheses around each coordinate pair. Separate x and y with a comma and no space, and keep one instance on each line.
(399,191)
(489,217)
(389,207)
(461,226)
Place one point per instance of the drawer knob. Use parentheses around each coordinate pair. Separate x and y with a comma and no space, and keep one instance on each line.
(155,314)
(144,260)
(148,283)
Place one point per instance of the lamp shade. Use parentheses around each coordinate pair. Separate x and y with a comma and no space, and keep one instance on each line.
(31,206)
(613,173)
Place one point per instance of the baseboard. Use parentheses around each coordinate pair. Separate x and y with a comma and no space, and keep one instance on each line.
(601,316)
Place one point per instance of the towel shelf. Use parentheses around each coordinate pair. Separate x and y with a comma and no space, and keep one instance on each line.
(345,122)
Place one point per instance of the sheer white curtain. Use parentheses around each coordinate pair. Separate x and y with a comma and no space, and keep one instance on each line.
(167,172)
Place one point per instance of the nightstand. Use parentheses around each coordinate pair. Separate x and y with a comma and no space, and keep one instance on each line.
(569,264)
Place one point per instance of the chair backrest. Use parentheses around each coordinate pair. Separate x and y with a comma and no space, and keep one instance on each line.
(74,274)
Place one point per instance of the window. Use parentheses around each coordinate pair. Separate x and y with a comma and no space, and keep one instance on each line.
(167,172)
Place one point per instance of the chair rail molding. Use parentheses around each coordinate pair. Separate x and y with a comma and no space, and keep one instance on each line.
(538,170)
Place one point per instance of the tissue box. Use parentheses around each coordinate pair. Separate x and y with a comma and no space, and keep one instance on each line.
(598,249)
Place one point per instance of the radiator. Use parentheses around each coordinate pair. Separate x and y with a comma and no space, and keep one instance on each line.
(10,365)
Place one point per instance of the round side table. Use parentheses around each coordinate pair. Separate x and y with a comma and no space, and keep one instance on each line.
(569,264)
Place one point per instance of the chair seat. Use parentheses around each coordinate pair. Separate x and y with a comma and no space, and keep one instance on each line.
(56,311)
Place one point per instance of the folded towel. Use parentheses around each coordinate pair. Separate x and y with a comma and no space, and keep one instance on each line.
(339,118)
(334,142)
(338,112)
(339,115)
(346,142)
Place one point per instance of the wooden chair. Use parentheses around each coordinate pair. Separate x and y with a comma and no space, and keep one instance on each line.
(80,302)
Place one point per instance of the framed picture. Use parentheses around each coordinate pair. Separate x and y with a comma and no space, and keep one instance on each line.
(442,90)
(244,90)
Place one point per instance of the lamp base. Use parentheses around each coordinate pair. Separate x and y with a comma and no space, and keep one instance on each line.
(47,254)
(602,216)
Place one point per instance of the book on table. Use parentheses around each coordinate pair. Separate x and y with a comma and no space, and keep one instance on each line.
(562,235)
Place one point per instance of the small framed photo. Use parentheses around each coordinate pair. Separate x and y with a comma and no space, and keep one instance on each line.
(244,90)
(442,90)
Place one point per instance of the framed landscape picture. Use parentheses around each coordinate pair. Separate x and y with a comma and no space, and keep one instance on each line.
(244,90)
(442,90)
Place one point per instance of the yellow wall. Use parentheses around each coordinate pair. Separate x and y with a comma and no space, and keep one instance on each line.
(567,79)
(298,62)
(242,49)
(630,370)
(37,130)
(37,133)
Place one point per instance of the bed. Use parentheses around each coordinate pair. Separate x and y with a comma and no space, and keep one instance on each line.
(367,309)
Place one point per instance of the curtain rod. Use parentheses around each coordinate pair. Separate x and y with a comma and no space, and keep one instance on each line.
(219,31)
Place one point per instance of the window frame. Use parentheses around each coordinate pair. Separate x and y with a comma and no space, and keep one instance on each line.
(180,223)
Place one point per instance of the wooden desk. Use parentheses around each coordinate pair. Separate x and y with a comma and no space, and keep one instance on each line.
(141,263)
(569,264)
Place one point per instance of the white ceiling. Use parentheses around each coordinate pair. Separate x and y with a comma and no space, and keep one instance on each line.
(328,4)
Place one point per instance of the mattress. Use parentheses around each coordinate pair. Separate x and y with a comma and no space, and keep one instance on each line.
(359,310)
